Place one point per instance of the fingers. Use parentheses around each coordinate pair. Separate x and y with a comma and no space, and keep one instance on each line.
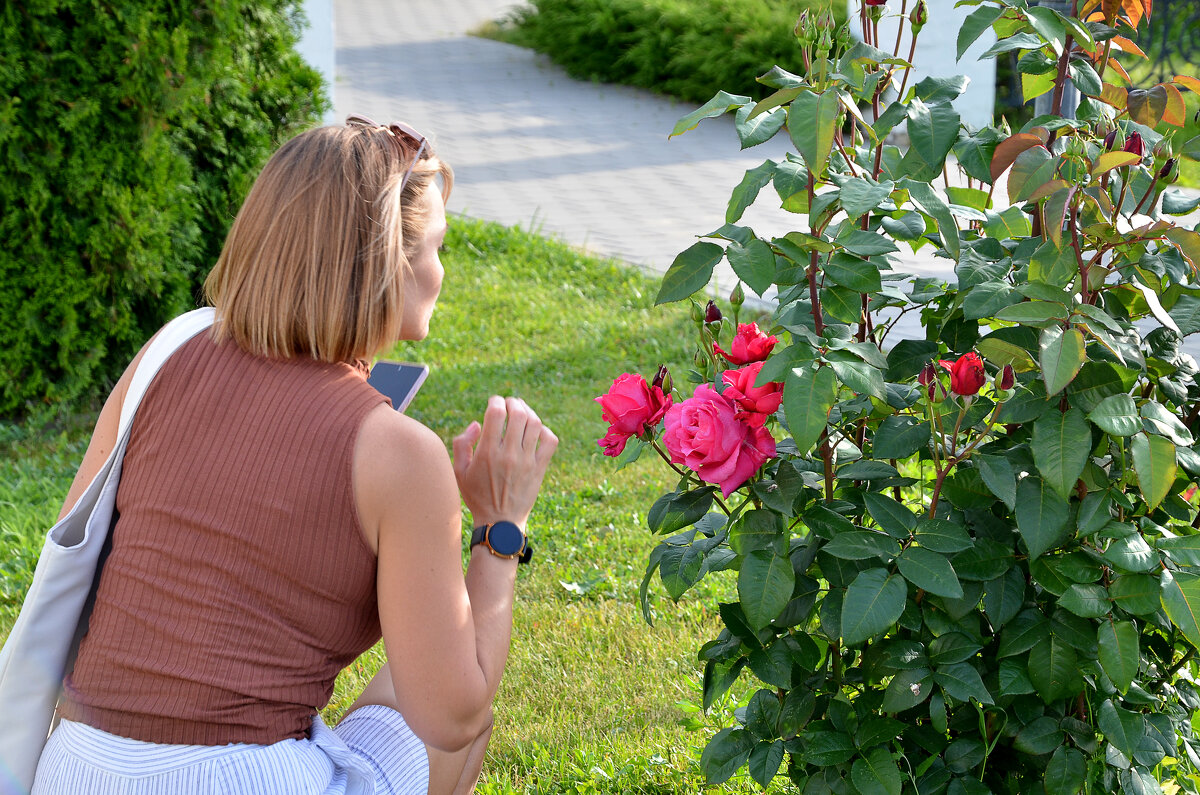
(547,443)
(464,445)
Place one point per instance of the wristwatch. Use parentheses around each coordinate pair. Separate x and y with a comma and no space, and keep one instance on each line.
(504,540)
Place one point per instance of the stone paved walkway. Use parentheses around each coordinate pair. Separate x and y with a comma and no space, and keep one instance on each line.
(588,163)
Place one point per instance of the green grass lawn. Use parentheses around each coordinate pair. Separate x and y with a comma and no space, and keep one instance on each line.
(590,700)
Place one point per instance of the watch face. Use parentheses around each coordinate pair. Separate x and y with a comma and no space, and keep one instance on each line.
(506,538)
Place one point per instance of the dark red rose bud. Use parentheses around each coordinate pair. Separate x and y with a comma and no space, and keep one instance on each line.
(1007,378)
(919,16)
(928,374)
(966,375)
(875,2)
(660,376)
(1167,167)
(1110,140)
(1136,145)
(711,313)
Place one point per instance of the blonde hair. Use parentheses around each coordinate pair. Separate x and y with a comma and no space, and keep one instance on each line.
(314,263)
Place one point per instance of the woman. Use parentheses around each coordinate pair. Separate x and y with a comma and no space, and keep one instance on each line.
(276,516)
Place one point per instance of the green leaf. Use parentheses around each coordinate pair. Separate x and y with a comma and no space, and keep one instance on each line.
(719,105)
(974,25)
(866,470)
(900,436)
(1039,737)
(791,185)
(808,397)
(681,568)
(812,123)
(1011,224)
(1117,415)
(953,647)
(1014,679)
(765,760)
(876,773)
(760,128)
(1041,516)
(1054,670)
(754,264)
(866,244)
(932,204)
(1154,463)
(907,689)
(1180,593)
(850,271)
(962,682)
(1034,313)
(860,377)
(679,509)
(998,475)
(860,195)
(1122,728)
(765,586)
(1061,354)
(690,272)
(985,300)
(747,190)
(1003,597)
(1137,594)
(863,545)
(873,603)
(1132,554)
(1027,630)
(942,536)
(896,519)
(725,753)
(984,560)
(755,530)
(1086,599)
(1061,442)
(1183,550)
(932,131)
(1000,353)
(825,748)
(1160,420)
(1021,41)
(1066,773)
(930,571)
(1120,655)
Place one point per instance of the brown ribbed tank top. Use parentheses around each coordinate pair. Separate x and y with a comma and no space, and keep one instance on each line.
(239,582)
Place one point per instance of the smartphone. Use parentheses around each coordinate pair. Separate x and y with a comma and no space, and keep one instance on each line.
(398,381)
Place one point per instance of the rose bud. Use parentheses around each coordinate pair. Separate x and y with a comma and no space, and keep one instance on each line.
(697,314)
(966,375)
(630,407)
(1110,140)
(918,17)
(757,401)
(712,314)
(749,345)
(875,3)
(737,297)
(928,374)
(1007,378)
(1136,145)
(936,392)
(1165,173)
(662,379)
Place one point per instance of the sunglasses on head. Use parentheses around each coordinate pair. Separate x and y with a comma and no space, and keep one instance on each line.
(404,136)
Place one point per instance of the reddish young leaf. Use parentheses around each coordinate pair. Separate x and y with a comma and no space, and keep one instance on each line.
(1114,95)
(1008,151)
(1176,112)
(1147,106)
(1135,10)
(1125,45)
(1188,82)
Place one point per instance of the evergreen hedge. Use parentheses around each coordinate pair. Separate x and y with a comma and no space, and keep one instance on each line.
(684,48)
(129,133)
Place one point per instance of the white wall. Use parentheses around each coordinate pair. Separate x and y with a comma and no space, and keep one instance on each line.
(935,54)
(316,45)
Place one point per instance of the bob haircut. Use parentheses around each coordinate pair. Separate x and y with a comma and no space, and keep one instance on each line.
(314,264)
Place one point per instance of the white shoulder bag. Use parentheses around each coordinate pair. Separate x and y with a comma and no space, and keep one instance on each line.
(41,647)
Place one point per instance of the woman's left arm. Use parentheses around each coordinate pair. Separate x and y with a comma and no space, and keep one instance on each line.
(104,437)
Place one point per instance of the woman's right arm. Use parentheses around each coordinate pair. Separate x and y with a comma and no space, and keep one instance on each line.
(446,635)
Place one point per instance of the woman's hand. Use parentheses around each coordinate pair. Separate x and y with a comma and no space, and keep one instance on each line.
(500,465)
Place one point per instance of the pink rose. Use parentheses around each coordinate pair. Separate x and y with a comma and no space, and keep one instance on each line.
(758,401)
(707,434)
(630,407)
(749,345)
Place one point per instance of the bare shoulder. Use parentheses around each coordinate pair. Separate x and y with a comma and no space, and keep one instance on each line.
(400,465)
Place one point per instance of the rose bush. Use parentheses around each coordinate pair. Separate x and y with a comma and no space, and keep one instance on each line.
(966,561)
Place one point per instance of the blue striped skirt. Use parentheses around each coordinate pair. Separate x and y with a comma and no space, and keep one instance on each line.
(372,751)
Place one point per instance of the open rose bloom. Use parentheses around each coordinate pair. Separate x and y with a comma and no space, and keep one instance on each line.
(707,433)
(749,345)
(630,407)
(757,401)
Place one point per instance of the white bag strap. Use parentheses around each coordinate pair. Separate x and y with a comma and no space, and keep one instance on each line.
(170,339)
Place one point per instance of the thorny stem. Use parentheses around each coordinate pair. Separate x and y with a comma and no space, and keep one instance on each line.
(814,297)
(1060,80)
(1180,663)
(912,51)
(1085,294)
(1104,62)
(1120,198)
(900,29)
